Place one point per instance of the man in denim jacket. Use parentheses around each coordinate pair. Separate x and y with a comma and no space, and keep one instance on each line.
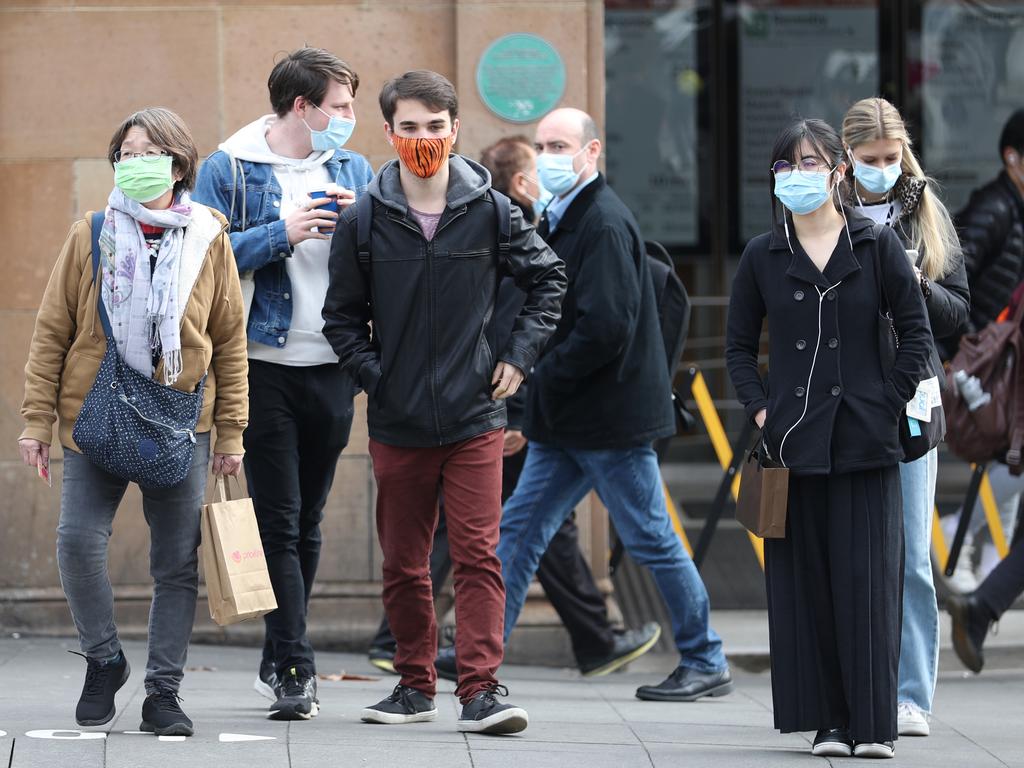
(265,178)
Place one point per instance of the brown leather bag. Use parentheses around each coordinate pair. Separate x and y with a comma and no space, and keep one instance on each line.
(994,430)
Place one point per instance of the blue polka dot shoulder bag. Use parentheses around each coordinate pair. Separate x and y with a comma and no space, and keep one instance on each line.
(131,425)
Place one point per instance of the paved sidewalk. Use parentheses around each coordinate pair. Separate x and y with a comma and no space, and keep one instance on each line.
(574,722)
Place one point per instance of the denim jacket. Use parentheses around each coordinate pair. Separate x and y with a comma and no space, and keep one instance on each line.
(259,239)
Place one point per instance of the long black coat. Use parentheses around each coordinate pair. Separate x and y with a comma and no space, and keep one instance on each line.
(601,381)
(830,407)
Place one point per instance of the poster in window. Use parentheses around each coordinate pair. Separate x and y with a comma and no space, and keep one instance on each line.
(972,79)
(651,108)
(797,59)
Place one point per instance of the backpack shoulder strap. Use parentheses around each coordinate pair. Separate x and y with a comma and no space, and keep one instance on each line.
(96,226)
(504,210)
(364,223)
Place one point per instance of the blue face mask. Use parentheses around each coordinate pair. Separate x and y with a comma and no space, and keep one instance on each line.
(876,180)
(803,193)
(556,172)
(542,200)
(338,131)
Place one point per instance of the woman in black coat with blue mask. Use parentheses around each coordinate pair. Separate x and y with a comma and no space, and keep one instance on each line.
(829,412)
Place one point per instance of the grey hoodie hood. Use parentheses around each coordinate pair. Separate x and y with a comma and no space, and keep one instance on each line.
(467,180)
(250,144)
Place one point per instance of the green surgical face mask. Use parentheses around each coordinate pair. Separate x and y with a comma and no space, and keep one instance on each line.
(144,179)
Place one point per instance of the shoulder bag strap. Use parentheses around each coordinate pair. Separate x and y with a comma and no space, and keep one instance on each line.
(97,227)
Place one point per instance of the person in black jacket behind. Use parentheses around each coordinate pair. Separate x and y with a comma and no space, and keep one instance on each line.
(991,229)
(888,186)
(830,414)
(436,388)
(599,395)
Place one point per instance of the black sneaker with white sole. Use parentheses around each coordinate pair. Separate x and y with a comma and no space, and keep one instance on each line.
(877,749)
(266,680)
(296,698)
(404,705)
(162,715)
(832,742)
(483,714)
(102,680)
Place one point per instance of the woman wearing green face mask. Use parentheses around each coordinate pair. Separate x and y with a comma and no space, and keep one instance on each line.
(169,287)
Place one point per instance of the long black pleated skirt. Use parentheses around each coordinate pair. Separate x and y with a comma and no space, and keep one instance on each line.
(835,587)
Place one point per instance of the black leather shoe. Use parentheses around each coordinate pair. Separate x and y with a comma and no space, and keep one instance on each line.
(970,625)
(445,664)
(629,645)
(685,684)
(832,742)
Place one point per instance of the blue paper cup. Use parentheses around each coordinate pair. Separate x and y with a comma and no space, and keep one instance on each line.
(331,206)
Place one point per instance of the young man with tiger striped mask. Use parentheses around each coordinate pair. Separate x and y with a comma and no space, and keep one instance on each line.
(414,274)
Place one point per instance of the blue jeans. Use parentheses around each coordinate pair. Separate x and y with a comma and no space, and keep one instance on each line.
(554,481)
(919,643)
(89,500)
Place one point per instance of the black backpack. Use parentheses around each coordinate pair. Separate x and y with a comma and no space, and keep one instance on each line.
(673,303)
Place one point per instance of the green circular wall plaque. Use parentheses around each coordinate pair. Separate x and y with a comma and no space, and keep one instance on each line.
(520,77)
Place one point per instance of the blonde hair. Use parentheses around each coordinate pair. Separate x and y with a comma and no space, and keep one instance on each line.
(931,229)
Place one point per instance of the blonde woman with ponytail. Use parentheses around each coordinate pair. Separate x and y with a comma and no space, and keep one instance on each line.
(888,186)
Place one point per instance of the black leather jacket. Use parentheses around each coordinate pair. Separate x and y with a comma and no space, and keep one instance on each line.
(991,229)
(428,364)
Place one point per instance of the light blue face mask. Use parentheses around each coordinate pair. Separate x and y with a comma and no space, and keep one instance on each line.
(878,181)
(556,172)
(338,131)
(542,200)
(803,193)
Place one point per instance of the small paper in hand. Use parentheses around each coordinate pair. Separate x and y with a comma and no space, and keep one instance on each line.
(43,470)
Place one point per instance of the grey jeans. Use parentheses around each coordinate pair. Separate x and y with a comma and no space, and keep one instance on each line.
(89,500)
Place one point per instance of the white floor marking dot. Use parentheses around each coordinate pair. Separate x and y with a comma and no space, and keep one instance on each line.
(172,738)
(2,734)
(245,737)
(65,735)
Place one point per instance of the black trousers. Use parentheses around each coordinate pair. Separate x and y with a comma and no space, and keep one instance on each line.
(299,422)
(563,573)
(1006,582)
(835,598)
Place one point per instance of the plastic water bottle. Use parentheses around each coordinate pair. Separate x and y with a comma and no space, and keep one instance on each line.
(971,391)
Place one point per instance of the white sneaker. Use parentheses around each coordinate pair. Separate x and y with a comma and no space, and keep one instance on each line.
(963,581)
(878,750)
(911,721)
(989,560)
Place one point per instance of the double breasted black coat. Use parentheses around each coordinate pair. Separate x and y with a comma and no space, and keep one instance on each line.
(830,407)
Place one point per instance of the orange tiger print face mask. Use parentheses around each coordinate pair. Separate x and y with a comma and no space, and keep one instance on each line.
(424,157)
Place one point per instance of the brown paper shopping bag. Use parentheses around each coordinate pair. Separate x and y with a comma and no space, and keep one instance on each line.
(764,497)
(237,581)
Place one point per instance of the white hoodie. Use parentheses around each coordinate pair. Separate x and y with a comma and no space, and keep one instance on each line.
(307,267)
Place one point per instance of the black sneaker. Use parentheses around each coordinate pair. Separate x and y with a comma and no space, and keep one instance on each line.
(876,749)
(404,705)
(970,626)
(162,715)
(383,659)
(629,645)
(832,742)
(102,680)
(296,698)
(445,664)
(266,680)
(483,714)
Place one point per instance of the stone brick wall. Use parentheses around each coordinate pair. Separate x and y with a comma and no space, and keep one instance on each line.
(70,70)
